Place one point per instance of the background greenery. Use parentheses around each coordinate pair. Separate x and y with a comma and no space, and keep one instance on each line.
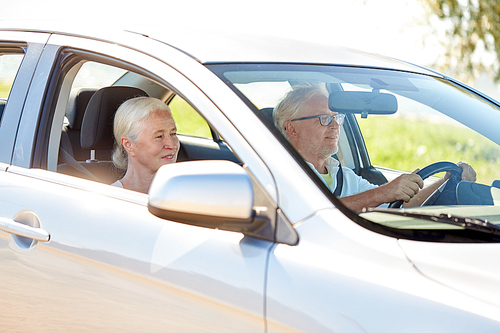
(407,144)
(5,89)
(471,27)
(188,120)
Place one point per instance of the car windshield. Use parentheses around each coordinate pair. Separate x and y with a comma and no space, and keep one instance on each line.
(394,122)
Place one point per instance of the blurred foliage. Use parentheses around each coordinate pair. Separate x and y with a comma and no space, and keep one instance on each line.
(404,144)
(471,27)
(187,120)
(5,89)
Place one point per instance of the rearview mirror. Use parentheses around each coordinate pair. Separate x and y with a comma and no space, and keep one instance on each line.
(362,102)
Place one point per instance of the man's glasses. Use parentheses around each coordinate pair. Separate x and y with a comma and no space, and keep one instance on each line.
(326,119)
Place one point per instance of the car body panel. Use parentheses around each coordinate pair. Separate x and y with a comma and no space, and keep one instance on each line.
(34,44)
(471,274)
(135,261)
(23,149)
(365,279)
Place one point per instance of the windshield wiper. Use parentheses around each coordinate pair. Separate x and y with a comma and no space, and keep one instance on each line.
(469,223)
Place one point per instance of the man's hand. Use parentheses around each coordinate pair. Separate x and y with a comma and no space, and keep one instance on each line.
(406,187)
(468,172)
(403,188)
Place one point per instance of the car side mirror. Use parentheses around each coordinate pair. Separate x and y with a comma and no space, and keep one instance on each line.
(211,194)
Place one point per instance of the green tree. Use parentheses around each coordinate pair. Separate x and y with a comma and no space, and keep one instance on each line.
(472,27)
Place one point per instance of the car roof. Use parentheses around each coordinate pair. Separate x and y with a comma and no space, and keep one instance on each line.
(216,46)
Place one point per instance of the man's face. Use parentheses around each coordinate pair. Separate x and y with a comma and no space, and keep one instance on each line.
(312,140)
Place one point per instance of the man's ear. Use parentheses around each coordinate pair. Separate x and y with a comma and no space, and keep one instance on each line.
(127,145)
(290,129)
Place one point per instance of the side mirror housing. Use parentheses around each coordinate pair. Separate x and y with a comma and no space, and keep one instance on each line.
(210,194)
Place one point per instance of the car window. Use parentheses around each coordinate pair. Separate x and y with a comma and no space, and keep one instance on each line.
(188,120)
(9,65)
(81,150)
(96,75)
(387,125)
(421,141)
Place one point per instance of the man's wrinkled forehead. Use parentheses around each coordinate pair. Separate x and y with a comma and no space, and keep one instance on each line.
(315,105)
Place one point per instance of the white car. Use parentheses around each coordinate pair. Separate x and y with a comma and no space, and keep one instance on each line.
(240,235)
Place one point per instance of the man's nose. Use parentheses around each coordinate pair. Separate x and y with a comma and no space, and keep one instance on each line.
(334,124)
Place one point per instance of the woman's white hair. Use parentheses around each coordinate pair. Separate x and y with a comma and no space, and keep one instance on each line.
(129,122)
(292,104)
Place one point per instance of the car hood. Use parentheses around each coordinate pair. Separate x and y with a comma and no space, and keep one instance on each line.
(471,268)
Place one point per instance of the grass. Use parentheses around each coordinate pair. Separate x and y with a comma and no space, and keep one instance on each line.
(404,144)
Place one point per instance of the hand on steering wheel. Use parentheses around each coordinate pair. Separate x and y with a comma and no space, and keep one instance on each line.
(454,170)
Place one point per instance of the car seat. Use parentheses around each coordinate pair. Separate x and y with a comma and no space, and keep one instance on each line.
(70,137)
(96,135)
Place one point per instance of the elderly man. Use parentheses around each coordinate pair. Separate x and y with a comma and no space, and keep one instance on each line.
(304,118)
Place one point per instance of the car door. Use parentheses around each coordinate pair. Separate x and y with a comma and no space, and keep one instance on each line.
(92,257)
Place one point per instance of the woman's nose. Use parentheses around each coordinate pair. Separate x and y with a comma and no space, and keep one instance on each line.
(170,142)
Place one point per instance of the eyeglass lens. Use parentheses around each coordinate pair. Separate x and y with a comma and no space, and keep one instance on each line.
(326,120)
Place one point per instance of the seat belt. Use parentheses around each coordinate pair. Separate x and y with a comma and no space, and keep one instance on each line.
(340,181)
(67,158)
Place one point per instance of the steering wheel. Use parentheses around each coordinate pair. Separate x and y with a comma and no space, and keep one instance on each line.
(447,190)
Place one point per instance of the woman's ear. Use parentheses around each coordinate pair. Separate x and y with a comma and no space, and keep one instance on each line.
(127,145)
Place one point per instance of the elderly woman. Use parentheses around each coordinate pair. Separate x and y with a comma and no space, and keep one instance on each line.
(145,139)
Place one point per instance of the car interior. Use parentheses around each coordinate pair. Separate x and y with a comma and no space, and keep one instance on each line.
(87,139)
(3,101)
(93,94)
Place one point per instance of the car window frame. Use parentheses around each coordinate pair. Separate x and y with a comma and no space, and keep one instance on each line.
(133,59)
(32,45)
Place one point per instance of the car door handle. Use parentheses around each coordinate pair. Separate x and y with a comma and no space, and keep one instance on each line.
(12,227)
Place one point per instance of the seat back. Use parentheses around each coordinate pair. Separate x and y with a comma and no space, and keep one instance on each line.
(268,112)
(97,125)
(70,138)
(96,133)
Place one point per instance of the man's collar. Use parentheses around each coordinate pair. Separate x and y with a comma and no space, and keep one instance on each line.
(330,163)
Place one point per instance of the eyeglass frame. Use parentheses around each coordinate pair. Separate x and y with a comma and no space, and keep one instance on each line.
(339,118)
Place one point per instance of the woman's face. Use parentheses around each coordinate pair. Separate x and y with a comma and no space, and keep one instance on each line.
(157,144)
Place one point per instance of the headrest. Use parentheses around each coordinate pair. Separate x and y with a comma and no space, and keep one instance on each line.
(268,112)
(97,125)
(78,100)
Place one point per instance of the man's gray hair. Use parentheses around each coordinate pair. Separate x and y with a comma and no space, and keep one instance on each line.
(292,104)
